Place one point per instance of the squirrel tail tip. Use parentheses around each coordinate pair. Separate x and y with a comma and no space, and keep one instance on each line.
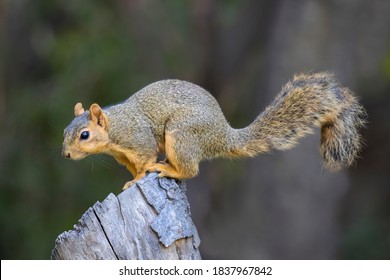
(340,140)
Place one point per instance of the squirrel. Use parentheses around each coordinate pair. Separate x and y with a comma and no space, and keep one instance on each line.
(184,121)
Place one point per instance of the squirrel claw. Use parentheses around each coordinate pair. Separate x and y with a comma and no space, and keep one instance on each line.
(161,174)
(128,184)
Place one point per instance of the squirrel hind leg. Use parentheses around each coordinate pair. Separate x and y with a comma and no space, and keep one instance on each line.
(182,156)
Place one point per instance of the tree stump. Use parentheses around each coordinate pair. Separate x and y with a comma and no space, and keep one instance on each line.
(150,220)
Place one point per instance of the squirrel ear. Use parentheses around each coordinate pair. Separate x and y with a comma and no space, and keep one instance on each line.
(97,116)
(78,109)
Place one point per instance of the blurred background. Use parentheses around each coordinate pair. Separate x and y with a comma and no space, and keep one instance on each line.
(282,205)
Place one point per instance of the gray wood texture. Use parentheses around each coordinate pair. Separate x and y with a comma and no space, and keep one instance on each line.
(150,220)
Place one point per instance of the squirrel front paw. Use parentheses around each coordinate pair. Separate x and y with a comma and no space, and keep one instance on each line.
(129,184)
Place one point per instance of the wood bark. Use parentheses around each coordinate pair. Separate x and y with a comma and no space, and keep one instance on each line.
(150,220)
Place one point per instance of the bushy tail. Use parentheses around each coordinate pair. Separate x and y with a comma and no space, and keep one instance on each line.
(307,101)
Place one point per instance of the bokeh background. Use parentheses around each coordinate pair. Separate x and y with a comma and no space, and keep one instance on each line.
(282,205)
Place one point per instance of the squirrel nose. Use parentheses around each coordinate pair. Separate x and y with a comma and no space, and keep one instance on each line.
(65,154)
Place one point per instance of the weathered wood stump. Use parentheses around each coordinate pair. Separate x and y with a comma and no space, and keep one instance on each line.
(150,220)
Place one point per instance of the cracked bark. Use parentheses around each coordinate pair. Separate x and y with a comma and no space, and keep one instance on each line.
(150,220)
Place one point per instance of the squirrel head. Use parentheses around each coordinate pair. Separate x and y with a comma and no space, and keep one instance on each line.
(87,134)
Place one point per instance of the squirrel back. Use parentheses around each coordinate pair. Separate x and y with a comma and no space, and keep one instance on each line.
(186,123)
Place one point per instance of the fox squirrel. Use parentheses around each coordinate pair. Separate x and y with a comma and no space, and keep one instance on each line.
(185,122)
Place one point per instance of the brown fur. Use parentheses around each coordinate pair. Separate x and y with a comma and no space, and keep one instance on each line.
(186,123)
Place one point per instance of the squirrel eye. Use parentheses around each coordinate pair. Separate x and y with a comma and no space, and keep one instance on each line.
(84,135)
